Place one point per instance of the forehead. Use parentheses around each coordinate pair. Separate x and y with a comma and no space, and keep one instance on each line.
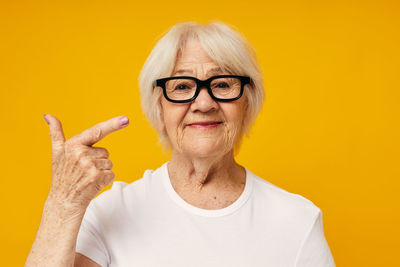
(193,53)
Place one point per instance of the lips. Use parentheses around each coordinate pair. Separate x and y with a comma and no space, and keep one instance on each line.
(204,124)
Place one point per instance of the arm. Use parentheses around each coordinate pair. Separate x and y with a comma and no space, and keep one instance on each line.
(56,238)
(83,261)
(79,172)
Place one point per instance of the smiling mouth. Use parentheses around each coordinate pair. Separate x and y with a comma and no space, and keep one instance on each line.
(205,124)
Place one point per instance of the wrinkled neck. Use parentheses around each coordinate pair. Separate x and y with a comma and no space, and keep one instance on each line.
(200,174)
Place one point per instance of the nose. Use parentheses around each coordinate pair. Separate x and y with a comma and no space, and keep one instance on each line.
(204,102)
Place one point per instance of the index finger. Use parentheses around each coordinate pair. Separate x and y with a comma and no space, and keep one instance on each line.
(99,131)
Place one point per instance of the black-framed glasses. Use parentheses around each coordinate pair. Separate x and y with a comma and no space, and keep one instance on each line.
(184,89)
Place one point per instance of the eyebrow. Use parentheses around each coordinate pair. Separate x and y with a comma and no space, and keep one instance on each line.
(211,71)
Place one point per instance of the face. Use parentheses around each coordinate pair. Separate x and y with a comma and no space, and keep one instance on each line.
(203,127)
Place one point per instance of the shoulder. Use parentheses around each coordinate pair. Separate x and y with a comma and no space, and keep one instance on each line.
(123,195)
(282,203)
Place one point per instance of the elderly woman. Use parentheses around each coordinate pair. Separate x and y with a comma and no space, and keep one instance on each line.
(201,89)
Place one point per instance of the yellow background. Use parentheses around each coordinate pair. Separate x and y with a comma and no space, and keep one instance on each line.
(329,129)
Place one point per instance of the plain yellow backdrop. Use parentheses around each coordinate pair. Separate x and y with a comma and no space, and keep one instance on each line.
(329,128)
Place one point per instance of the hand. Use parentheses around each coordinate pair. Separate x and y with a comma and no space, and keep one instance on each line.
(80,171)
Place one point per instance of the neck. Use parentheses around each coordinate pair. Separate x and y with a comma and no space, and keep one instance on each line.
(199,175)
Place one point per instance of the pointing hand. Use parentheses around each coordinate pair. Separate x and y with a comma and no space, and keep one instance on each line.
(80,171)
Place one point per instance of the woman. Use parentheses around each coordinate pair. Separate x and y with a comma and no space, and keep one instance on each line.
(201,89)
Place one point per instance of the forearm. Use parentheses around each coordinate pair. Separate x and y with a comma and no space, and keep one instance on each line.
(79,172)
(55,240)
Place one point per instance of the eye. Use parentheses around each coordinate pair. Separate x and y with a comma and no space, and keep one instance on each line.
(222,85)
(181,86)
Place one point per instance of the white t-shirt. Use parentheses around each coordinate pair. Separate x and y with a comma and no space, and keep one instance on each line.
(147,224)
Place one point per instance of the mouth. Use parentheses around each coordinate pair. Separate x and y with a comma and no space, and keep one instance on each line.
(204,124)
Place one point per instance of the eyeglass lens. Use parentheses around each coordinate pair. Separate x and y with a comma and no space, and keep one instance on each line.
(222,88)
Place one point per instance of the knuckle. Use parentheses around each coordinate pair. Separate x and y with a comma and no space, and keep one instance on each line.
(93,172)
(68,147)
(74,151)
(109,178)
(97,133)
(110,164)
(98,187)
(101,151)
(86,163)
(106,153)
(93,181)
(80,154)
(58,145)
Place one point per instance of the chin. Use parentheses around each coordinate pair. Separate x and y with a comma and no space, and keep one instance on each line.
(206,148)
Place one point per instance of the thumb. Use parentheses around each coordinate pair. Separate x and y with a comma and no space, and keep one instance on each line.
(56,131)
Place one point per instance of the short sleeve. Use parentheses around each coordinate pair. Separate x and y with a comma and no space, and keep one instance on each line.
(90,241)
(315,251)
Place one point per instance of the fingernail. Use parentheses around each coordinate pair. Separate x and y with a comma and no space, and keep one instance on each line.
(44,116)
(124,120)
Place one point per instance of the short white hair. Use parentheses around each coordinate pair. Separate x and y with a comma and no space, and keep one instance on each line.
(229,49)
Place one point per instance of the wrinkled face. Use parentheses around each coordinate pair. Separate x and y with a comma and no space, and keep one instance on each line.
(203,127)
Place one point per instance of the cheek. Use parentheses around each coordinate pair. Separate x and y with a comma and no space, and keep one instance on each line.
(173,116)
(234,115)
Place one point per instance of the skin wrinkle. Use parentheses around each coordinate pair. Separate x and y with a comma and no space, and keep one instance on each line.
(202,168)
